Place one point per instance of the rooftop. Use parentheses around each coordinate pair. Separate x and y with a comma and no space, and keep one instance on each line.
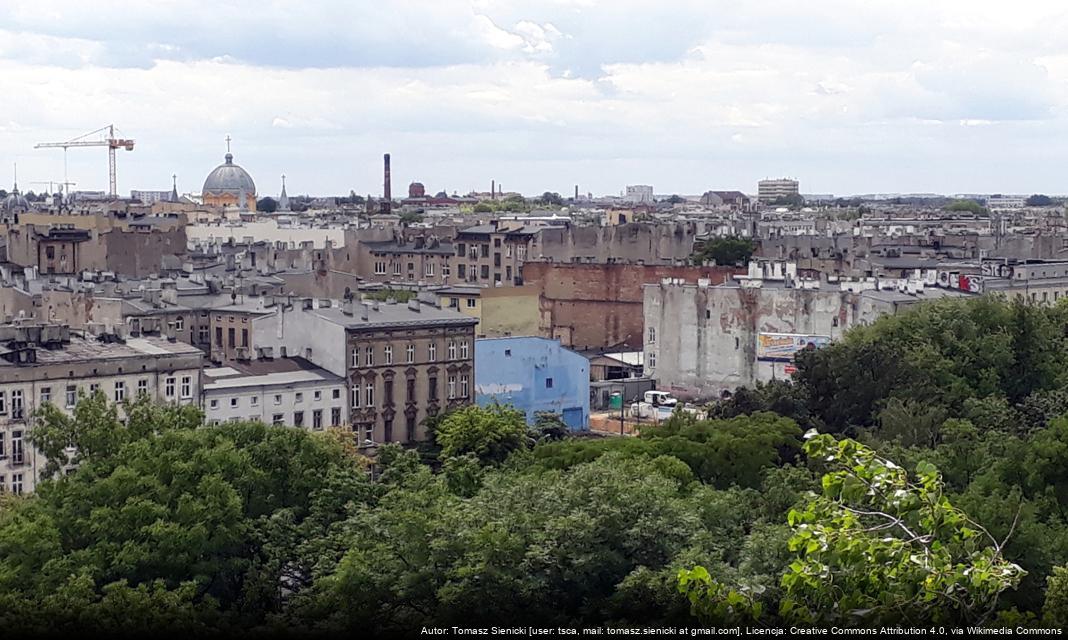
(392,315)
(83,349)
(262,373)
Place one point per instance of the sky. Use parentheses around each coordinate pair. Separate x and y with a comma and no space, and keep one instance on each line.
(849,97)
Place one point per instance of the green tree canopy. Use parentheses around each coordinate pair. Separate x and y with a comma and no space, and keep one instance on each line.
(730,250)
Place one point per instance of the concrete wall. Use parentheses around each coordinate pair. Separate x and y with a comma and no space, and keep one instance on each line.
(706,337)
(663,243)
(588,306)
(509,311)
(319,284)
(140,253)
(268,231)
(518,371)
(298,331)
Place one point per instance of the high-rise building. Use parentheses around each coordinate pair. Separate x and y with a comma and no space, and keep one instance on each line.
(639,193)
(771,190)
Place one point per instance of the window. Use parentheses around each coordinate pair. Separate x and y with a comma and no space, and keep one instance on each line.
(298,397)
(368,431)
(387,435)
(485,251)
(452,351)
(120,391)
(214,404)
(471,303)
(16,404)
(652,360)
(464,350)
(335,417)
(497,260)
(93,387)
(356,395)
(380,268)
(461,270)
(244,337)
(317,396)
(18,453)
(507,353)
(485,272)
(652,335)
(369,356)
(463,386)
(278,398)
(521,252)
(3,403)
(389,393)
(317,419)
(397,268)
(389,354)
(72,396)
(355,357)
(369,394)
(445,269)
(46,394)
(410,428)
(278,419)
(432,384)
(202,335)
(410,397)
(454,303)
(432,352)
(452,387)
(16,480)
(168,387)
(233,403)
(50,252)
(218,336)
(187,387)
(548,383)
(298,418)
(428,269)
(179,323)
(337,394)
(254,401)
(409,354)
(231,342)
(3,449)
(142,387)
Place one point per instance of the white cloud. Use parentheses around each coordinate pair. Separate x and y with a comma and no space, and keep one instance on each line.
(687,95)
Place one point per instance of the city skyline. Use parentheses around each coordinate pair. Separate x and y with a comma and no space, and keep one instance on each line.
(955,98)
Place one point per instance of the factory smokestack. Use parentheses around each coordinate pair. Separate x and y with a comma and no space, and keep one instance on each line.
(493,189)
(387,195)
(576,193)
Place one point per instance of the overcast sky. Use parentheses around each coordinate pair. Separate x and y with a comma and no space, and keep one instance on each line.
(847,96)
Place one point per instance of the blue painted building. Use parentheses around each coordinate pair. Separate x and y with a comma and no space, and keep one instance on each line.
(533,374)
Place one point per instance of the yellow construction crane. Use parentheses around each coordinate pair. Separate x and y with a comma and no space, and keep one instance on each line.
(108,140)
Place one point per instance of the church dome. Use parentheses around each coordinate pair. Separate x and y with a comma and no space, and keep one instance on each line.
(15,203)
(229,178)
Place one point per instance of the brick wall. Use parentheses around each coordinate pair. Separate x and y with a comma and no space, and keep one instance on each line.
(591,306)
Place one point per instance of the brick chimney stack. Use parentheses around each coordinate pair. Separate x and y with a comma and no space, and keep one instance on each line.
(387,196)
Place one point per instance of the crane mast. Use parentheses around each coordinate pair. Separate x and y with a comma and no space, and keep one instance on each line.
(109,141)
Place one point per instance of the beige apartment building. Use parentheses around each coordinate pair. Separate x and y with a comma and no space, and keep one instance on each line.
(42,363)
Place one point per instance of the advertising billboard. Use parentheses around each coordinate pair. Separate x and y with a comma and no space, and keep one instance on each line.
(781,347)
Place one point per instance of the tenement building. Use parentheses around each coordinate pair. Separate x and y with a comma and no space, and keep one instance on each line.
(401,362)
(42,363)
